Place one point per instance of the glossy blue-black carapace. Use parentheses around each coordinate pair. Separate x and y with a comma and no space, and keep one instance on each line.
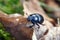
(36,18)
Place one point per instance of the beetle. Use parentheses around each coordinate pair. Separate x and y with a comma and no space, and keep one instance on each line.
(35,19)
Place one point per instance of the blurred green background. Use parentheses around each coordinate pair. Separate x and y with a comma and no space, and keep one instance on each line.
(11,6)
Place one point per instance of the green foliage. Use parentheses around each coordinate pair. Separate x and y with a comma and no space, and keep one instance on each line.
(11,6)
(3,34)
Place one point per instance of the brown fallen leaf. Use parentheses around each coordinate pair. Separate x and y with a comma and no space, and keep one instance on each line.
(16,26)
